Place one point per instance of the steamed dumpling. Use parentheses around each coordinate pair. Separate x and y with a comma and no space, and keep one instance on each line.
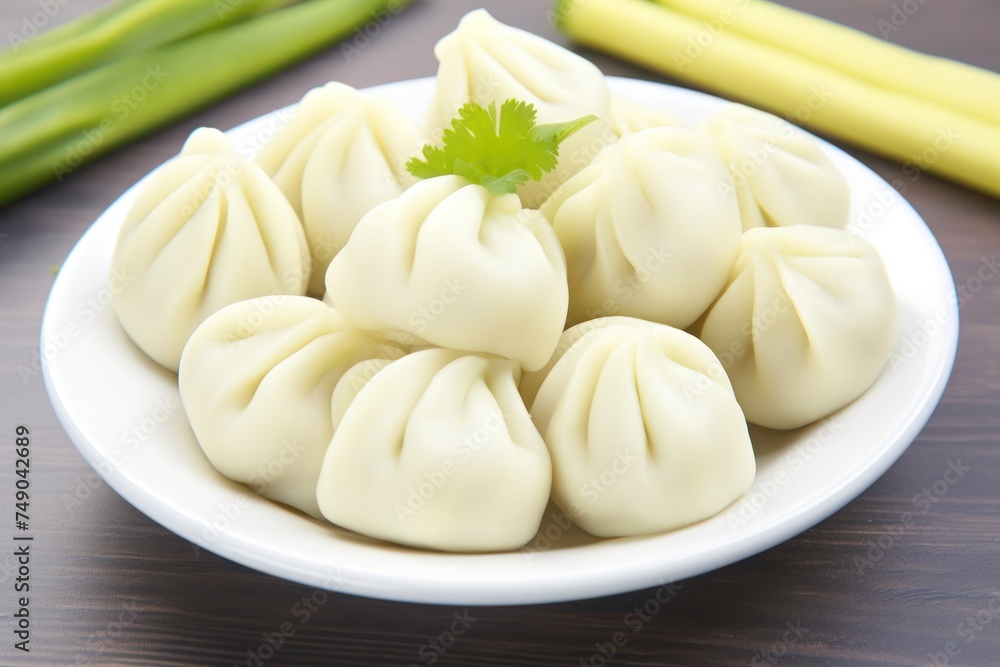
(342,153)
(436,450)
(647,229)
(805,325)
(209,229)
(629,117)
(781,174)
(447,264)
(486,61)
(257,380)
(643,428)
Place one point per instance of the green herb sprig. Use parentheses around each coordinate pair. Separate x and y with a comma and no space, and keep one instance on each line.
(500,151)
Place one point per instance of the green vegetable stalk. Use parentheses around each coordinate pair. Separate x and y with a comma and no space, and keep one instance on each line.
(948,83)
(51,133)
(917,132)
(109,34)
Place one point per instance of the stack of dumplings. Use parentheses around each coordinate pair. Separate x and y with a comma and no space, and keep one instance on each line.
(430,363)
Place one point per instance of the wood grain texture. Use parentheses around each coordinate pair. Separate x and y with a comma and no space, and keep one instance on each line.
(110,587)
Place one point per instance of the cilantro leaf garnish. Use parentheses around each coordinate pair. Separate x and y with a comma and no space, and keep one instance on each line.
(501,151)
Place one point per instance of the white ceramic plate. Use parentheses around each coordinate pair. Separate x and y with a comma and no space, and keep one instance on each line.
(123,413)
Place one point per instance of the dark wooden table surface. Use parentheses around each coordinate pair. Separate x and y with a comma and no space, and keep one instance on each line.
(109,586)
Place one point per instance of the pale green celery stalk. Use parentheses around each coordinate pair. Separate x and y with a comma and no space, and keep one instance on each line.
(49,134)
(112,33)
(949,83)
(911,130)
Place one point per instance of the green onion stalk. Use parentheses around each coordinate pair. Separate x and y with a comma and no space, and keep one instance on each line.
(51,133)
(112,33)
